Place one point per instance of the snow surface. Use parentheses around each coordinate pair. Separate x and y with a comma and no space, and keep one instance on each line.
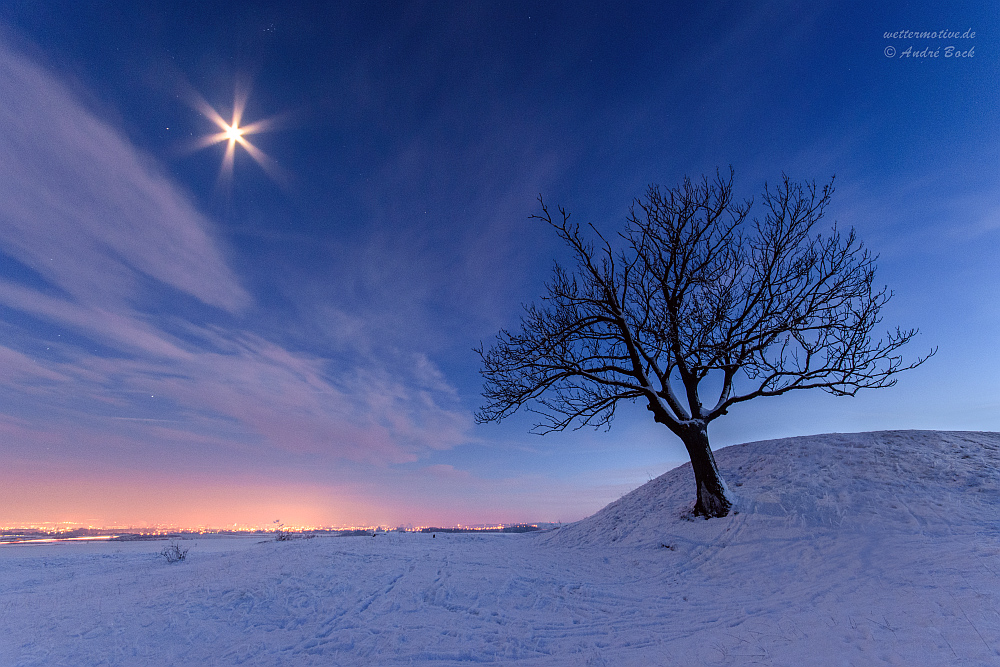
(847,549)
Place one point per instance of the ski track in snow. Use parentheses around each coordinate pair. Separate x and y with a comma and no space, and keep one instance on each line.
(854,549)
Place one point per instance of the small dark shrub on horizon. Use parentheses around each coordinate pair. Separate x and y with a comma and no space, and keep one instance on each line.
(173,553)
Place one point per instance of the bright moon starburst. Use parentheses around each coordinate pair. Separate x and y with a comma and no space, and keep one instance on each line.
(233,133)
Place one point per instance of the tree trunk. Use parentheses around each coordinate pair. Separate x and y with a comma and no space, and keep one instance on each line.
(714,499)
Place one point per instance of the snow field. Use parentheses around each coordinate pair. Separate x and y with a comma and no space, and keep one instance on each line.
(855,549)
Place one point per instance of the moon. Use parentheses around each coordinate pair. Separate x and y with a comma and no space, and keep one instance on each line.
(233,133)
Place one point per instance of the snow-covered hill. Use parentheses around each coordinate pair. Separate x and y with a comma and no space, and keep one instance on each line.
(855,549)
(910,482)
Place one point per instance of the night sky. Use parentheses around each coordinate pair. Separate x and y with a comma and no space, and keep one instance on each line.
(293,339)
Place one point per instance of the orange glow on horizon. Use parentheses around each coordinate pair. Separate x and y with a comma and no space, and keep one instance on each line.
(62,504)
(150,503)
(136,501)
(64,496)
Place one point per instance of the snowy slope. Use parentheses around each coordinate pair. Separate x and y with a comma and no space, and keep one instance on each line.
(922,482)
(861,549)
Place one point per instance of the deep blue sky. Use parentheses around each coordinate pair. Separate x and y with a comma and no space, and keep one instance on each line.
(180,348)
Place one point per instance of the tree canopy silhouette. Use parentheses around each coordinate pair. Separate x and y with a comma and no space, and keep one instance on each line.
(695,288)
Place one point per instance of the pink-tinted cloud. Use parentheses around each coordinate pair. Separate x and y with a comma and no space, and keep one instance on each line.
(20,367)
(293,402)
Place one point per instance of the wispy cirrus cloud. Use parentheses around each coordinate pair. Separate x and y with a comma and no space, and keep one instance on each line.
(88,212)
(113,251)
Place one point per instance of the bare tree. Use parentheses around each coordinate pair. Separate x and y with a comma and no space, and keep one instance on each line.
(697,289)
